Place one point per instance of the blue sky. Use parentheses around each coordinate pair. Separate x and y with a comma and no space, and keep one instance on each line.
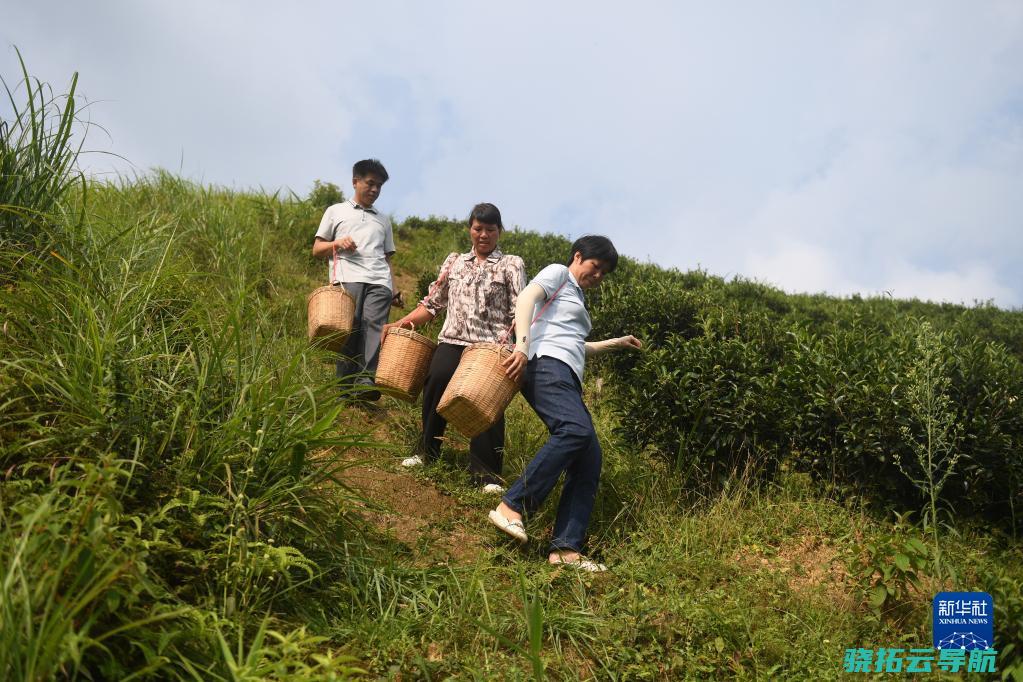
(871,147)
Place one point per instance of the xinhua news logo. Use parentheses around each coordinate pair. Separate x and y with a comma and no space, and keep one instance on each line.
(963,636)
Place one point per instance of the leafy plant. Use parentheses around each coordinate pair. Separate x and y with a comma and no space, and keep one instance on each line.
(272,655)
(72,583)
(1004,582)
(889,568)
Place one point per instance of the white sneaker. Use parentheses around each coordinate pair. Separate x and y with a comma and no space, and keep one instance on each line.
(493,488)
(410,462)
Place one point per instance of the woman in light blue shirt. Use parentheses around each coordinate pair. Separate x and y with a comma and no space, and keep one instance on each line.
(551,351)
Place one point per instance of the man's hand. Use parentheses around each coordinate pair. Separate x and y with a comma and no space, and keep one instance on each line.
(515,365)
(345,243)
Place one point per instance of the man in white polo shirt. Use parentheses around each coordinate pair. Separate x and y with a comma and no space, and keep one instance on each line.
(364,243)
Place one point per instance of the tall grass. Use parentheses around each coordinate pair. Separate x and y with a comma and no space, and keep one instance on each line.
(68,569)
(38,156)
(144,368)
(169,457)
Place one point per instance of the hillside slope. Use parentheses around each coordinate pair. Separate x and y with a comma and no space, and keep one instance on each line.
(183,478)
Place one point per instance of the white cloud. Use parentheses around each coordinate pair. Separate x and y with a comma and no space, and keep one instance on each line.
(802,268)
(805,268)
(909,281)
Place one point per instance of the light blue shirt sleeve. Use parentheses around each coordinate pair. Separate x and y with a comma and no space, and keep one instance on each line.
(551,278)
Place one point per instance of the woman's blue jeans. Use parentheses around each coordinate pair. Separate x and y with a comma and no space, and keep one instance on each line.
(553,391)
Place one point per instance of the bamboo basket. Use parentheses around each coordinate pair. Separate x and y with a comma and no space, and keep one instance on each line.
(331,312)
(480,391)
(403,364)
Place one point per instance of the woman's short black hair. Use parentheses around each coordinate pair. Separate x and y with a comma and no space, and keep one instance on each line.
(363,168)
(595,246)
(487,214)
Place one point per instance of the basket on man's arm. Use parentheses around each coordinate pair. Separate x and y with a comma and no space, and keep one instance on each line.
(331,313)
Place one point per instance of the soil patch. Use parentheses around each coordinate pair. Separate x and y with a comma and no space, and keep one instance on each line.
(416,514)
(430,523)
(807,563)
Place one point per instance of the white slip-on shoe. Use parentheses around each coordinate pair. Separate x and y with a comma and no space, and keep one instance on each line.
(410,462)
(582,563)
(513,528)
(493,488)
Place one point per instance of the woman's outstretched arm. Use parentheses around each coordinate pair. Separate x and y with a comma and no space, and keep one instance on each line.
(619,343)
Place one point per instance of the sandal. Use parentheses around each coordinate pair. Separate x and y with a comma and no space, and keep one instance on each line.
(513,528)
(582,563)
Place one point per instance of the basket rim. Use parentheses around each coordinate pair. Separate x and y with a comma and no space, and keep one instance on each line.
(492,345)
(332,287)
(413,335)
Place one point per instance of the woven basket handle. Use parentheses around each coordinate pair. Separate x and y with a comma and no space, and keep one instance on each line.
(336,263)
(383,339)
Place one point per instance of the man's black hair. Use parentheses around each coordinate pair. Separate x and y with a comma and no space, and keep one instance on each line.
(487,214)
(595,246)
(363,168)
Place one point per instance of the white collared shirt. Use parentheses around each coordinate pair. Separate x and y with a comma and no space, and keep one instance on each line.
(373,237)
(561,330)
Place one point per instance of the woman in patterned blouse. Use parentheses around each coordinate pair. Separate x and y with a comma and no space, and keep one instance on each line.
(479,290)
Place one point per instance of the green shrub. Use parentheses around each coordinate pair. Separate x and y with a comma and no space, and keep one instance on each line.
(324,194)
(710,403)
(1004,582)
(843,416)
(730,377)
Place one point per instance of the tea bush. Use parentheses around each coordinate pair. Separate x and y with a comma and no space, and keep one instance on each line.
(723,386)
(710,403)
(1006,590)
(842,416)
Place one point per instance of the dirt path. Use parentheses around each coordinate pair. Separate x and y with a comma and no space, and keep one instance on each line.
(431,523)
